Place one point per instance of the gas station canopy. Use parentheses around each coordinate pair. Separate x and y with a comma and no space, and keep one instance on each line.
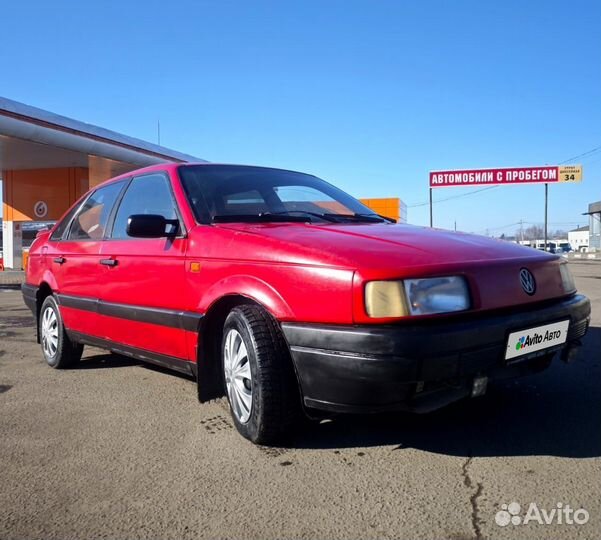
(34,138)
(48,161)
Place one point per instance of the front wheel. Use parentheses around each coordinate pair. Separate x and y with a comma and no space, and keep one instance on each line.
(59,351)
(259,377)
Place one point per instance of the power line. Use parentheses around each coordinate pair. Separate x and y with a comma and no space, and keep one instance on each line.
(453,197)
(581,155)
(500,227)
(524,222)
(589,163)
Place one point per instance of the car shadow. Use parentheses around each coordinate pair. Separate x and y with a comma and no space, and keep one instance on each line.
(114,360)
(557,412)
(106,360)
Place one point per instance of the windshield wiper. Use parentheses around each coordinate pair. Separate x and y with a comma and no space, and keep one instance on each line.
(286,216)
(325,217)
(259,218)
(366,218)
(385,218)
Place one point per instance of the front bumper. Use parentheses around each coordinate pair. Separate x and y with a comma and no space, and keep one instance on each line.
(420,366)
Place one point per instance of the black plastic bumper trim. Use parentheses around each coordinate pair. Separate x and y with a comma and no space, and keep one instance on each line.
(367,369)
(78,302)
(185,320)
(30,295)
(433,336)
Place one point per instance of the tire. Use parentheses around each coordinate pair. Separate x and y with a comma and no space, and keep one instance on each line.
(265,406)
(58,350)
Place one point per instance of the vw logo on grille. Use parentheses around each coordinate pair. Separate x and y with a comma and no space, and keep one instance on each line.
(527,281)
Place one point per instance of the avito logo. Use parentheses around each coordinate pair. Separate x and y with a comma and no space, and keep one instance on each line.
(520,344)
(561,514)
(527,341)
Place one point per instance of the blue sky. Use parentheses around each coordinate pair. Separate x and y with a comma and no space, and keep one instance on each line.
(370,95)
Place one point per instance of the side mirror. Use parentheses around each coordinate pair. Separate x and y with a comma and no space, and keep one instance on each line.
(151,226)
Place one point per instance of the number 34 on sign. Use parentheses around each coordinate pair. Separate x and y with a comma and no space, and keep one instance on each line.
(570,173)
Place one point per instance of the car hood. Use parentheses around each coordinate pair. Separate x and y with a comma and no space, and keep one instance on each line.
(377,245)
(389,251)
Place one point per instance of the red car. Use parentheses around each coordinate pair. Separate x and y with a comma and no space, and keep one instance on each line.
(288,295)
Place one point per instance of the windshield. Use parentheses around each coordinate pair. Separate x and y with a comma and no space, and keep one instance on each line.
(243,193)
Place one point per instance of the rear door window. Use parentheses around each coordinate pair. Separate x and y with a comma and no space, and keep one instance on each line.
(90,221)
(61,228)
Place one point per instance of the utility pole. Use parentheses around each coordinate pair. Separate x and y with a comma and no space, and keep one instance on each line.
(430,207)
(522,230)
(455,225)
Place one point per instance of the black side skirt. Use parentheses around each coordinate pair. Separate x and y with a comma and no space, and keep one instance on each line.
(171,362)
(184,320)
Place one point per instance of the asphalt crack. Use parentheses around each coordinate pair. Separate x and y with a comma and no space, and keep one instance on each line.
(477,491)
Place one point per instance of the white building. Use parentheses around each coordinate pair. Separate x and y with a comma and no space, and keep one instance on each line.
(552,244)
(579,238)
(594,234)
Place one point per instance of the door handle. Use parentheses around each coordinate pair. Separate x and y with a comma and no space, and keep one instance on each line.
(109,262)
(59,260)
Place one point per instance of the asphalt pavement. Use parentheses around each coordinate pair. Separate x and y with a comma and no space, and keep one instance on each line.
(118,449)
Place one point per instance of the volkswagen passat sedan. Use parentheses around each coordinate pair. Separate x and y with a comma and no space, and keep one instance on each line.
(289,296)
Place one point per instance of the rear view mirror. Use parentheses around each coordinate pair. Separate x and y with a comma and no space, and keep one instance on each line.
(151,226)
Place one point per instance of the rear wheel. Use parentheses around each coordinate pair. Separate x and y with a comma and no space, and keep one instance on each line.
(259,377)
(59,351)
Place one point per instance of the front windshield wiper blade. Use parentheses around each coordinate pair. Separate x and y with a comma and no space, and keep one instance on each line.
(259,218)
(325,217)
(366,218)
(385,218)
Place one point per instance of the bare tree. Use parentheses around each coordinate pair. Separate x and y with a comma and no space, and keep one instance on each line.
(534,232)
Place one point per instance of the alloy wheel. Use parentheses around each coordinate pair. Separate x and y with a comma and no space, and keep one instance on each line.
(238,378)
(49,332)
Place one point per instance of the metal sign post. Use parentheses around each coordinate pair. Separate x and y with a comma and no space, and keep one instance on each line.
(430,207)
(546,206)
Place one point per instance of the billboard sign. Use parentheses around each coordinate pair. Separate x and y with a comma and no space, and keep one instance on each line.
(506,176)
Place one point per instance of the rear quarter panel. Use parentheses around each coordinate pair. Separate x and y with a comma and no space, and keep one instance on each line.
(36,262)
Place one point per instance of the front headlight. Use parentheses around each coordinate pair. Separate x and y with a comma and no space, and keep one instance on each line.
(567,280)
(416,296)
(437,295)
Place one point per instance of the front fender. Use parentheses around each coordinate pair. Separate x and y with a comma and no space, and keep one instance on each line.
(251,287)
